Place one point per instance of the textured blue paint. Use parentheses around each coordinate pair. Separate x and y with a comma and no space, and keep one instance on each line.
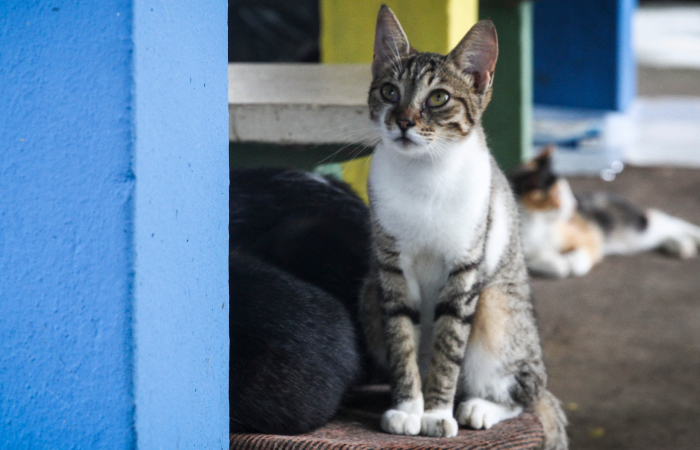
(65,225)
(113,224)
(583,53)
(181,226)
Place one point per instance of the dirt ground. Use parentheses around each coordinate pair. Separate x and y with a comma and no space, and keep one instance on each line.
(623,343)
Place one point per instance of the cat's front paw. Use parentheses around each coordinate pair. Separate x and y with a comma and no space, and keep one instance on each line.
(478,413)
(580,262)
(439,423)
(400,422)
(552,265)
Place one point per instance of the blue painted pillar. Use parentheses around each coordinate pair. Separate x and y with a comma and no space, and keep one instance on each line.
(583,53)
(113,225)
(181,217)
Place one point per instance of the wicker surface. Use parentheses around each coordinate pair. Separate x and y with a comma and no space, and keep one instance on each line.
(357,428)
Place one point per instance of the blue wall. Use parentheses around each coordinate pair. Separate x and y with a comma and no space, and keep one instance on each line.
(113,225)
(66,250)
(583,53)
(181,124)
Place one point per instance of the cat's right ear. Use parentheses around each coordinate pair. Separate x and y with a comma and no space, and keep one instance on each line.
(476,54)
(390,41)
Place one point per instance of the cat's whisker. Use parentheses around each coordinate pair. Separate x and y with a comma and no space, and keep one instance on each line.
(335,153)
(359,148)
(371,137)
(354,153)
(363,134)
(367,162)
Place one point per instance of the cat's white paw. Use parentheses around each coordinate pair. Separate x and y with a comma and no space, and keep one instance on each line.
(478,413)
(400,422)
(580,262)
(551,265)
(439,423)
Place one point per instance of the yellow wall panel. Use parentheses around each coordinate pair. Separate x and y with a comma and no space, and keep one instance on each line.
(462,14)
(347,26)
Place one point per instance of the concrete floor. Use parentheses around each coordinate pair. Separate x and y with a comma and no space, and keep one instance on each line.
(660,82)
(623,343)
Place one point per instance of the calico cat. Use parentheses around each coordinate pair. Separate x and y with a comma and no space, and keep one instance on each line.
(299,251)
(446,304)
(565,234)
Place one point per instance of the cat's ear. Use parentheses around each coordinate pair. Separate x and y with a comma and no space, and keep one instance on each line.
(546,153)
(390,41)
(476,54)
(543,161)
(535,174)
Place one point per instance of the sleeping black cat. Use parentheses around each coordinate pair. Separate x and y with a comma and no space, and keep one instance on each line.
(299,250)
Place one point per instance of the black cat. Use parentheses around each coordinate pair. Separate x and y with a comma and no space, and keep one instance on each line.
(299,251)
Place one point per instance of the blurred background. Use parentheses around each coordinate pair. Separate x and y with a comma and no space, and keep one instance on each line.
(601,79)
(614,83)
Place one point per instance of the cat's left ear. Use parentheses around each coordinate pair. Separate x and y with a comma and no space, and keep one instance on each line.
(476,54)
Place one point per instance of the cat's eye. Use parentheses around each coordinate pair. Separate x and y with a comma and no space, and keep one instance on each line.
(438,98)
(390,92)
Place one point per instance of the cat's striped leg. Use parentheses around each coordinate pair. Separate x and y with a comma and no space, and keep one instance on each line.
(453,316)
(407,399)
(399,322)
(441,379)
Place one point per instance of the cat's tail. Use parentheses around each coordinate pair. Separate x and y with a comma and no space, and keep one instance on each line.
(551,414)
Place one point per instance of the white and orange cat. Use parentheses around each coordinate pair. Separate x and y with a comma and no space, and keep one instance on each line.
(565,234)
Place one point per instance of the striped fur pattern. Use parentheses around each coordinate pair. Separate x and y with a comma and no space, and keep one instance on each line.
(565,234)
(447,303)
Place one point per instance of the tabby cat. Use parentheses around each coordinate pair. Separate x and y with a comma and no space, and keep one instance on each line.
(447,302)
(299,251)
(566,235)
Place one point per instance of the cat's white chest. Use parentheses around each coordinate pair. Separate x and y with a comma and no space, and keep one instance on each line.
(434,212)
(432,208)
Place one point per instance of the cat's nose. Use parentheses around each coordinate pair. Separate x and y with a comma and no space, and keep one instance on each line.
(405,124)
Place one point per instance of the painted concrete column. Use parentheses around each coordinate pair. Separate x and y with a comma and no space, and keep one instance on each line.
(181,223)
(508,118)
(113,225)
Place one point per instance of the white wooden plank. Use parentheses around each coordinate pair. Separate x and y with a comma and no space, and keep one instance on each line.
(299,103)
